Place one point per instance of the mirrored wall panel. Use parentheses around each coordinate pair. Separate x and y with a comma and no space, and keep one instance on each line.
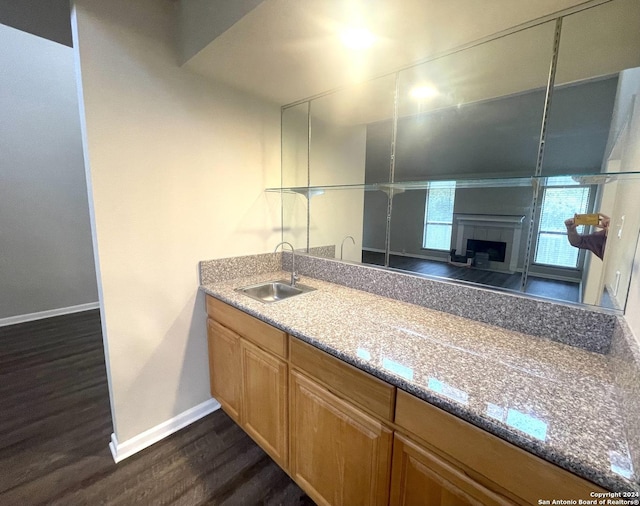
(336,224)
(585,235)
(295,145)
(477,112)
(340,144)
(469,230)
(295,219)
(598,73)
(444,168)
(579,254)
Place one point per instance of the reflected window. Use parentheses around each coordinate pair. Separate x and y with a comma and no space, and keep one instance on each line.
(495,411)
(621,464)
(363,354)
(527,423)
(397,368)
(517,419)
(559,202)
(438,215)
(449,391)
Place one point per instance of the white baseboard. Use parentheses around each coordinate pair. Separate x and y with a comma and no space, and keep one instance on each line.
(121,451)
(12,320)
(444,258)
(411,255)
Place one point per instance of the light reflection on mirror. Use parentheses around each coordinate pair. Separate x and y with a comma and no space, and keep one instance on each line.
(357,38)
(424,91)
(486,118)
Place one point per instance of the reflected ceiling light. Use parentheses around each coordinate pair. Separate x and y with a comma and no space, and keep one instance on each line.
(357,38)
(424,92)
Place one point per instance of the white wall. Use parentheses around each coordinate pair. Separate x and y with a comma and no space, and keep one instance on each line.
(177,168)
(46,257)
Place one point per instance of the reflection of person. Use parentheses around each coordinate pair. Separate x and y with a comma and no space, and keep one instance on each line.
(594,242)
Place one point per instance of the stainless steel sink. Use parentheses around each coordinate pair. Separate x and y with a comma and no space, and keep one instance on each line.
(274,291)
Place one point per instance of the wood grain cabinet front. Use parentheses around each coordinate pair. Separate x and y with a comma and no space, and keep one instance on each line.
(264,401)
(421,478)
(225,368)
(340,455)
(251,386)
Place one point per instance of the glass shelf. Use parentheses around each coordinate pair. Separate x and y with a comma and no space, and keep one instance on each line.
(490,182)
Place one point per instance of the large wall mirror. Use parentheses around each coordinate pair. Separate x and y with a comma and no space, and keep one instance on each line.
(472,166)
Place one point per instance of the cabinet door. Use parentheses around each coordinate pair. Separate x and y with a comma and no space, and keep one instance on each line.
(225,368)
(264,403)
(421,478)
(339,455)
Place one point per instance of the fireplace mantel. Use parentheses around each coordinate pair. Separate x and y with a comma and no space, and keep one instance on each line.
(493,219)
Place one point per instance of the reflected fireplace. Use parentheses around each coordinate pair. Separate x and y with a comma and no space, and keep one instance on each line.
(491,230)
(495,249)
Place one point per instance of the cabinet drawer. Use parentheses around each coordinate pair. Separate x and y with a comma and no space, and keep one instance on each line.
(368,391)
(521,473)
(262,334)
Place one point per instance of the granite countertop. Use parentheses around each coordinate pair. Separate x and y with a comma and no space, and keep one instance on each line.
(554,400)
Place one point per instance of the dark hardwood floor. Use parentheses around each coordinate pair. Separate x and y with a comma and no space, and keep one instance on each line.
(55,425)
(555,289)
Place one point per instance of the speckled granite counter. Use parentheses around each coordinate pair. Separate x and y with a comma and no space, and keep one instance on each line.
(551,399)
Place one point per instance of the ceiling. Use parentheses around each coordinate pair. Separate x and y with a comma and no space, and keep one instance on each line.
(287,50)
(45,18)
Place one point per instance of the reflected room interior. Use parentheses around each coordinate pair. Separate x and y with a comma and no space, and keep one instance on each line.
(470,166)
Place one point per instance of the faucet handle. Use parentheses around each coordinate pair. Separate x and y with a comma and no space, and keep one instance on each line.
(294,278)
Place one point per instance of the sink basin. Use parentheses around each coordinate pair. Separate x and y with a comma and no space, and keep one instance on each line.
(274,291)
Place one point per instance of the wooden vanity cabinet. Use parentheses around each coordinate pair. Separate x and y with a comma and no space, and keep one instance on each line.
(250,382)
(340,455)
(349,439)
(419,477)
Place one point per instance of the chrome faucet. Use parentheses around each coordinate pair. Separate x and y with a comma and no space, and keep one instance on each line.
(294,275)
(342,245)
